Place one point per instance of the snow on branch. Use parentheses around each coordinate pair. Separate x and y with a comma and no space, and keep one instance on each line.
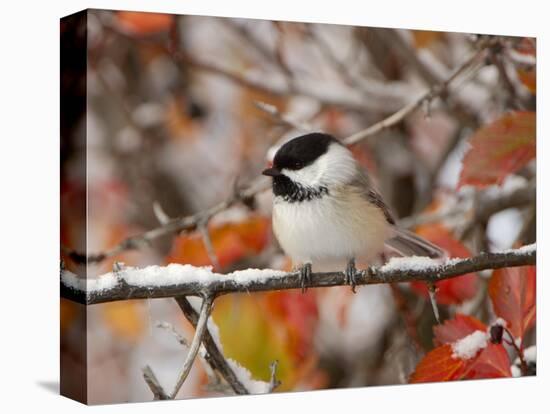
(176,280)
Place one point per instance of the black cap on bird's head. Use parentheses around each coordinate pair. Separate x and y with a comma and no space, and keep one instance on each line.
(300,152)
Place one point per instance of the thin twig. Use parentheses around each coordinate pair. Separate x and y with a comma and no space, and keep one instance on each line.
(206,308)
(433,301)
(154,384)
(283,118)
(273,381)
(486,205)
(519,352)
(207,240)
(430,94)
(215,284)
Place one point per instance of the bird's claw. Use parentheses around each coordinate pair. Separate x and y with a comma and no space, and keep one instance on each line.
(305,276)
(351,274)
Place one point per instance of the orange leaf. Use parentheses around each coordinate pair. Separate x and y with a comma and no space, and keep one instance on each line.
(450,291)
(425,38)
(458,327)
(124,319)
(438,365)
(513,293)
(500,148)
(529,78)
(231,241)
(143,23)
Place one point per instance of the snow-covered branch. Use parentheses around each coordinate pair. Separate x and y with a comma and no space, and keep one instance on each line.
(176,280)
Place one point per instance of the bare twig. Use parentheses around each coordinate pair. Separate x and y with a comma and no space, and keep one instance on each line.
(485,206)
(430,94)
(519,351)
(206,308)
(169,327)
(273,381)
(207,240)
(283,118)
(214,355)
(154,384)
(215,284)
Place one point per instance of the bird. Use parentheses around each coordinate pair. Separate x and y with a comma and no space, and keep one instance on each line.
(325,208)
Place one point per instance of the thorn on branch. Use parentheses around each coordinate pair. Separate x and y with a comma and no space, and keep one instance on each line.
(432,290)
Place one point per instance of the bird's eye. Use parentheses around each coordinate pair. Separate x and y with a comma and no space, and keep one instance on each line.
(298,165)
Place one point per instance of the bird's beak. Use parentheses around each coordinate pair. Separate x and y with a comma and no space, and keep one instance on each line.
(272,172)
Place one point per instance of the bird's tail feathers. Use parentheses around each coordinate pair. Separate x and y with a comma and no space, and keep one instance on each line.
(406,243)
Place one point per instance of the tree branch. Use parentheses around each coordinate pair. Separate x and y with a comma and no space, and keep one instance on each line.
(185,280)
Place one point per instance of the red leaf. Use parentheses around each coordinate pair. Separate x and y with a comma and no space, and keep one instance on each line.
(454,329)
(513,293)
(438,365)
(450,291)
(298,313)
(492,362)
(500,148)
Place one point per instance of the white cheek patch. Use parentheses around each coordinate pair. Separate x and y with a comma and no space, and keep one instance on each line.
(335,167)
(308,176)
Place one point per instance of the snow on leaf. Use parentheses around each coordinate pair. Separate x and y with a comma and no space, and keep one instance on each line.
(468,347)
(472,356)
(458,327)
(513,293)
(500,148)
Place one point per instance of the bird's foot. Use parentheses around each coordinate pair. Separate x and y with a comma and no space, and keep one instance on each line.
(351,274)
(305,276)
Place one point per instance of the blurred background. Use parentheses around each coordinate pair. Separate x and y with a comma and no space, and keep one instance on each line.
(182,109)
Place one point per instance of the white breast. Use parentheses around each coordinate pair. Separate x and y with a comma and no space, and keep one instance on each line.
(335,227)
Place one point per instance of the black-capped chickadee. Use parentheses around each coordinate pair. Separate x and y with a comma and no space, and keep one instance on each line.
(325,208)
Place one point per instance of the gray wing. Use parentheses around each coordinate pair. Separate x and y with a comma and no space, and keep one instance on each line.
(403,242)
(363,185)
